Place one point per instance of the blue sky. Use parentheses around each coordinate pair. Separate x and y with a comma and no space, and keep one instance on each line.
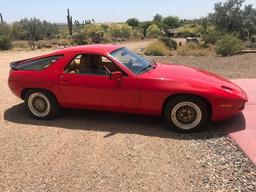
(105,10)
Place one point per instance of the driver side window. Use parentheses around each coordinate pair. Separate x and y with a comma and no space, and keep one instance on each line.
(91,64)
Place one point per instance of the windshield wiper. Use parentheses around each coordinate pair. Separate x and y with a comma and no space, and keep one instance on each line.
(154,64)
(146,68)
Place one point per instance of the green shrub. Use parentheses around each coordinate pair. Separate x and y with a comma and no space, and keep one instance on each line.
(157,48)
(211,37)
(188,31)
(228,45)
(136,34)
(106,40)
(193,45)
(120,31)
(5,43)
(93,30)
(65,42)
(169,42)
(154,31)
(80,39)
(204,45)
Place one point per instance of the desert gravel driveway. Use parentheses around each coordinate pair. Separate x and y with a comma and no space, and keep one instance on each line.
(99,151)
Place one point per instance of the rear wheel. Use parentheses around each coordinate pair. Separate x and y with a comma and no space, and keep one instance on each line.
(186,113)
(41,104)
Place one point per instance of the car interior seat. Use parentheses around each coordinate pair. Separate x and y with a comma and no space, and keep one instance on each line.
(84,66)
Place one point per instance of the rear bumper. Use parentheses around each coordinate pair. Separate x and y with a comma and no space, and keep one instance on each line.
(14,87)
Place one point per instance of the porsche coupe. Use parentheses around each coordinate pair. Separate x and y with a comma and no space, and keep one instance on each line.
(113,78)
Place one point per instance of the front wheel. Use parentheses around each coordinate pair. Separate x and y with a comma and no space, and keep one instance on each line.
(186,113)
(41,104)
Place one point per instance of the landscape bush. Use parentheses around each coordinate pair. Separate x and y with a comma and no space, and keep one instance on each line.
(44,44)
(80,39)
(188,31)
(211,36)
(93,30)
(228,45)
(156,48)
(136,34)
(120,31)
(153,31)
(65,42)
(5,43)
(169,42)
(20,44)
(193,45)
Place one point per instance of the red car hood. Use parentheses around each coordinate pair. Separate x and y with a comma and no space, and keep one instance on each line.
(190,74)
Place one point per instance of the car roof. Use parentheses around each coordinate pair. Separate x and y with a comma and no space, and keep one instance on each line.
(96,48)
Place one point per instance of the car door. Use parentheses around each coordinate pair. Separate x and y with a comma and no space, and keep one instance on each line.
(97,90)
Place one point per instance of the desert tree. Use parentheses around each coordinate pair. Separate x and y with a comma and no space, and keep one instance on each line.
(32,30)
(144,25)
(158,20)
(133,22)
(249,20)
(232,17)
(171,22)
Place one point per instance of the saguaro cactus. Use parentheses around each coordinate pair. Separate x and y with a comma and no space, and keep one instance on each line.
(70,23)
(1,18)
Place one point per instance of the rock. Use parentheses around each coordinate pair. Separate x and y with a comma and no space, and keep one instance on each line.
(250,187)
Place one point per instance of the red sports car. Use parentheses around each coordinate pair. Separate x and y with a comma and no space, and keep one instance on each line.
(110,77)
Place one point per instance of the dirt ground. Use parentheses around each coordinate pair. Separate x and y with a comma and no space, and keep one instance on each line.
(99,151)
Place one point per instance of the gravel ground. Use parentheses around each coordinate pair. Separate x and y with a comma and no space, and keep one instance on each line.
(235,67)
(98,151)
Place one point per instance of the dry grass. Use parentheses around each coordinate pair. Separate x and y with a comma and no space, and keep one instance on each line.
(20,45)
(157,48)
(193,49)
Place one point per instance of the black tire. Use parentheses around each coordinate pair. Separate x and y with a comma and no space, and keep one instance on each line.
(186,114)
(47,101)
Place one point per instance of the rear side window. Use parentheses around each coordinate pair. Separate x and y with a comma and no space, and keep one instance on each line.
(38,64)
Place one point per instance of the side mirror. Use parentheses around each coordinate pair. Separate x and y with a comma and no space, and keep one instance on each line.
(117,75)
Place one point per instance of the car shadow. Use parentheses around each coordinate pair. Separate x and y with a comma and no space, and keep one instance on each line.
(234,124)
(113,123)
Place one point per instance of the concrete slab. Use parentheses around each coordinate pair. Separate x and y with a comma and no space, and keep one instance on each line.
(242,128)
(249,86)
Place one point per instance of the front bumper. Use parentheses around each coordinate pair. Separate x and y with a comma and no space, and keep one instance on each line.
(228,109)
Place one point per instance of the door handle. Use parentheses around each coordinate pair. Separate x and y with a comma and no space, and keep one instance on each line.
(65,79)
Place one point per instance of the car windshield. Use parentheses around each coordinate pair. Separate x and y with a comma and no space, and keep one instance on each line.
(132,61)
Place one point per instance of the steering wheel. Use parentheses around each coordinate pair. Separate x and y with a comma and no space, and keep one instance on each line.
(130,63)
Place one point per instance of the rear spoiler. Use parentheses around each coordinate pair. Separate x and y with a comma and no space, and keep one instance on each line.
(14,65)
